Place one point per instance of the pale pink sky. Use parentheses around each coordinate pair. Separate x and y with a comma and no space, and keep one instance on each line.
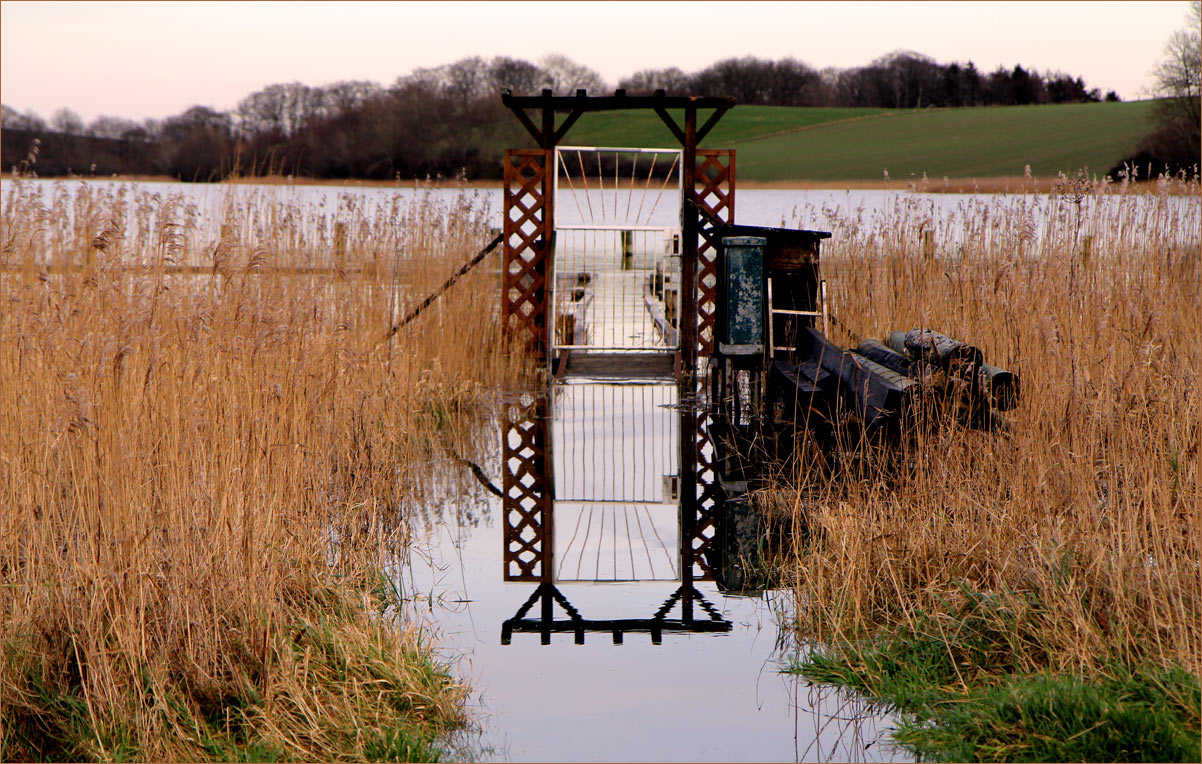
(155,59)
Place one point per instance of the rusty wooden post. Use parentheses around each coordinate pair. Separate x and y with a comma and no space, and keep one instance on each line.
(548,273)
(688,256)
(688,356)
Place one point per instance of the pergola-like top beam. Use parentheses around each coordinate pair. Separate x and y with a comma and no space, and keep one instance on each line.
(619,100)
(575,105)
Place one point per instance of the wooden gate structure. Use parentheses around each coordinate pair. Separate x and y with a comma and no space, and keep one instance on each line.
(707,202)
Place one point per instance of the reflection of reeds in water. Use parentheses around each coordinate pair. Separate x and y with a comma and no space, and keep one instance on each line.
(831,723)
(180,449)
(1081,519)
(842,726)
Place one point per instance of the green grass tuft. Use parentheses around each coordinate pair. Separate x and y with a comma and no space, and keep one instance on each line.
(1144,715)
(965,699)
(399,744)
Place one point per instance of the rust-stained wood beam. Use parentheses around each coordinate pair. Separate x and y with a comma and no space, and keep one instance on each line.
(535,133)
(666,118)
(671,123)
(689,225)
(548,131)
(580,103)
(567,124)
(610,103)
(709,123)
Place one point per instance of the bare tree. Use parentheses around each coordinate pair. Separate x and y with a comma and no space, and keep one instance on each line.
(197,118)
(106,126)
(745,79)
(522,77)
(347,95)
(1174,144)
(671,80)
(790,82)
(906,80)
(462,81)
(152,127)
(281,109)
(567,76)
(66,121)
(198,143)
(15,120)
(1179,75)
(467,79)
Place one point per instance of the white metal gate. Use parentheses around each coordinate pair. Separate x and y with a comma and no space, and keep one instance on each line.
(617,243)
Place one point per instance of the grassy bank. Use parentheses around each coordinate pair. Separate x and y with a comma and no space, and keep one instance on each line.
(1053,564)
(963,699)
(643,128)
(204,473)
(777,143)
(956,143)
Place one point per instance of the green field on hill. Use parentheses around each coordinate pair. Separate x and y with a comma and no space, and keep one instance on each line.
(794,143)
(645,129)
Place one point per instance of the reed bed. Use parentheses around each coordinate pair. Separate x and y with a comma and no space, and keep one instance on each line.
(1072,532)
(208,448)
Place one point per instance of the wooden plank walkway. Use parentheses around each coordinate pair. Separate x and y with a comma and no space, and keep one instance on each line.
(617,366)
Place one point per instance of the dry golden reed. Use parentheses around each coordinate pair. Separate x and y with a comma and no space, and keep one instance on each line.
(205,449)
(1080,519)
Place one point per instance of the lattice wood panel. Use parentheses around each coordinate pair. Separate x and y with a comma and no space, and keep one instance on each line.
(714,194)
(527,489)
(527,229)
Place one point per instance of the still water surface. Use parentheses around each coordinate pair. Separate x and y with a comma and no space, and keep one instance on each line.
(1038,222)
(701,696)
(694,697)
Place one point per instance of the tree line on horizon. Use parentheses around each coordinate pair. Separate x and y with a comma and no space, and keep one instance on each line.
(448,121)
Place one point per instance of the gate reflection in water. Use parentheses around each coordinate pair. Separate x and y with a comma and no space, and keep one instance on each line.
(558,688)
(615,454)
(603,472)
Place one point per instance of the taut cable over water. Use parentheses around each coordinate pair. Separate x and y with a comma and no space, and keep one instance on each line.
(416,311)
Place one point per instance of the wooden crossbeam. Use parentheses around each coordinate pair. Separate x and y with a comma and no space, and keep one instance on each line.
(574,106)
(709,123)
(670,123)
(562,130)
(584,102)
(528,124)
